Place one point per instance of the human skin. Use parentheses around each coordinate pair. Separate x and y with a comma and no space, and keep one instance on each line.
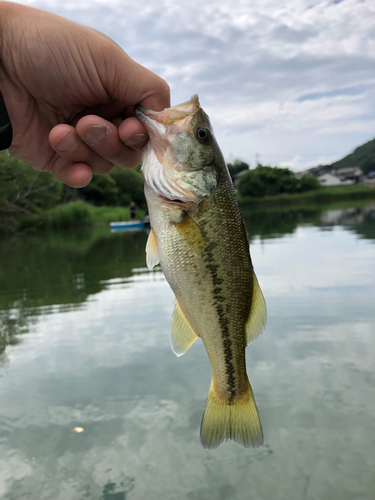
(70,92)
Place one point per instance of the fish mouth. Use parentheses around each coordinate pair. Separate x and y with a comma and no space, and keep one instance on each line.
(169,116)
(175,119)
(162,125)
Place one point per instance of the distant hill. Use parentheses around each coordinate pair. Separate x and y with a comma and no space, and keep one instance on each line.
(362,157)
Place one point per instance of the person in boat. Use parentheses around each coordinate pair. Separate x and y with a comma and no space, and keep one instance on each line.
(133,210)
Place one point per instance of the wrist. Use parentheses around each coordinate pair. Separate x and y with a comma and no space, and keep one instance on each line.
(6,132)
(8,10)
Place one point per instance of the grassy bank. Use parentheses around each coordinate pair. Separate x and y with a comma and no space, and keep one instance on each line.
(319,196)
(81,214)
(77,214)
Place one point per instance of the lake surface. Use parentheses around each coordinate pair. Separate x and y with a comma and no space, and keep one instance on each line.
(84,344)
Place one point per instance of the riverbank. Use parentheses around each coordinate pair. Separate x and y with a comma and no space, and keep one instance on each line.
(324,195)
(77,213)
(80,213)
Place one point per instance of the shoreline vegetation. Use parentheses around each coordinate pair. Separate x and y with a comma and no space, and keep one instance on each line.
(322,196)
(77,214)
(80,213)
(31,200)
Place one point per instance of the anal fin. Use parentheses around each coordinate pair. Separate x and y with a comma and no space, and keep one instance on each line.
(258,313)
(182,336)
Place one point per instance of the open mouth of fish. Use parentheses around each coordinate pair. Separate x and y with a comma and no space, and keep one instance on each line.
(160,169)
(161,125)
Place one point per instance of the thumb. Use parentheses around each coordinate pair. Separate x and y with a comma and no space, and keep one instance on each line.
(130,83)
(154,91)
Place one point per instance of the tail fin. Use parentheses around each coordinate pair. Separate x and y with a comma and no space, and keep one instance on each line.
(225,420)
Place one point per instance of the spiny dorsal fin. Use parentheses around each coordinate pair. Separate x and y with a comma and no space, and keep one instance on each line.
(258,313)
(182,336)
(192,234)
(152,250)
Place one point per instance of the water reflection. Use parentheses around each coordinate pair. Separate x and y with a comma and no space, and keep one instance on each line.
(65,268)
(111,491)
(60,269)
(277,223)
(85,328)
(14,323)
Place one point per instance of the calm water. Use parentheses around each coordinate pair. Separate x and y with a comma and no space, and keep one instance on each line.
(84,343)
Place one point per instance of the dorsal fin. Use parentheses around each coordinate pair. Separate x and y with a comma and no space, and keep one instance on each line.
(258,313)
(182,336)
(152,250)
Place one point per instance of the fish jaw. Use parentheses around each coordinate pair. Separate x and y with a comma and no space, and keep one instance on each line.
(156,131)
(174,164)
(170,115)
(162,125)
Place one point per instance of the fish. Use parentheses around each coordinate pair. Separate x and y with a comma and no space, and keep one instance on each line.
(199,237)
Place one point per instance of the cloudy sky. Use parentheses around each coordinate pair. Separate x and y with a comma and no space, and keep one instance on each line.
(289,82)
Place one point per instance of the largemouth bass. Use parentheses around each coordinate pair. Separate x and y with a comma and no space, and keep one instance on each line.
(199,237)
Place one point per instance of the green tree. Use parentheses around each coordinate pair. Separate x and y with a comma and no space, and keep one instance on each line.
(102,190)
(118,188)
(308,182)
(130,184)
(270,181)
(24,192)
(236,167)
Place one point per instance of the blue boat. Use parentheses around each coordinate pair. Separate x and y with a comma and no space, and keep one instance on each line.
(134,225)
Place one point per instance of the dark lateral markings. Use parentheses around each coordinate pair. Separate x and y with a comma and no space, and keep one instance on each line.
(219,300)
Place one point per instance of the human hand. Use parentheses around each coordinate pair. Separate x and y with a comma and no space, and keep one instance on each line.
(70,91)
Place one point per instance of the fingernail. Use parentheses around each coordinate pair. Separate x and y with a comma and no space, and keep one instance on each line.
(68,144)
(137,141)
(94,135)
(83,185)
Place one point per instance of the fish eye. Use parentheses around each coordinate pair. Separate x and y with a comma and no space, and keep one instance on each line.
(203,135)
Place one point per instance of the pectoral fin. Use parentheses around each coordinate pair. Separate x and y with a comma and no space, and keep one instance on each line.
(258,313)
(192,234)
(182,336)
(152,251)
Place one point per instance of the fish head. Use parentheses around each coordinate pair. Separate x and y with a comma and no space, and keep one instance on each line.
(180,161)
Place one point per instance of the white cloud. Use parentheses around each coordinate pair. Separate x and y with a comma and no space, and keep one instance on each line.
(285,79)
